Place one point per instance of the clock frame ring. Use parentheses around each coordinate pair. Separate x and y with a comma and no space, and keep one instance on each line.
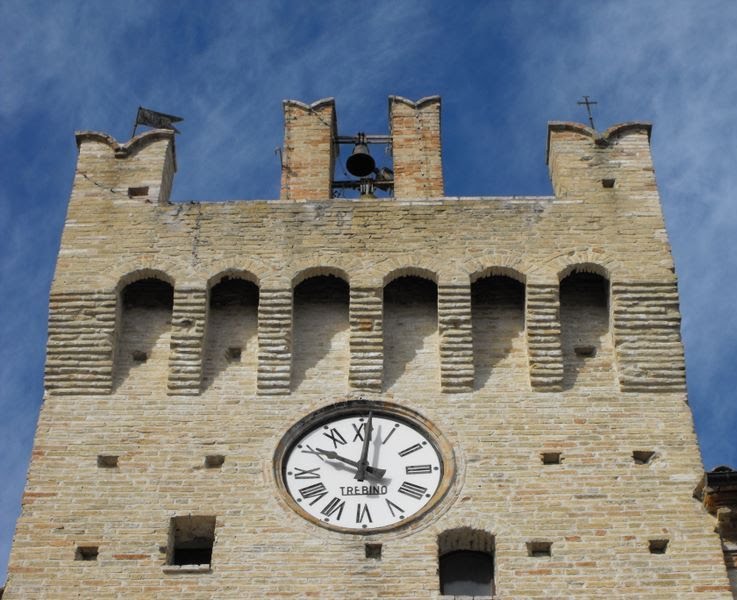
(417,425)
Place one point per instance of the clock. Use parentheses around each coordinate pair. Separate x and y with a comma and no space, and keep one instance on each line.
(363,467)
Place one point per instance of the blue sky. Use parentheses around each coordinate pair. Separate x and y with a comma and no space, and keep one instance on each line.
(503,68)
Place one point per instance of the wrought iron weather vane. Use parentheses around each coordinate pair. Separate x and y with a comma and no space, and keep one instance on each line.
(155,119)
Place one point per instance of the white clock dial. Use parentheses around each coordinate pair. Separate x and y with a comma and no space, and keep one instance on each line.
(346,480)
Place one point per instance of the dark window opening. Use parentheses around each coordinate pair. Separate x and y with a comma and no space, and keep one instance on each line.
(466,573)
(191,540)
(214,461)
(86,553)
(642,457)
(322,289)
(373,551)
(134,192)
(539,548)
(551,458)
(233,354)
(607,183)
(466,562)
(658,546)
(233,292)
(148,293)
(107,461)
(139,356)
(585,351)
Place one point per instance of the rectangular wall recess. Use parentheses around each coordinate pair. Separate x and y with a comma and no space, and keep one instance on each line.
(137,192)
(87,553)
(642,457)
(551,458)
(191,539)
(233,354)
(658,546)
(107,461)
(373,551)
(214,461)
(539,548)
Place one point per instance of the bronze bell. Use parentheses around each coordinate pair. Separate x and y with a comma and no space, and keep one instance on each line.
(360,163)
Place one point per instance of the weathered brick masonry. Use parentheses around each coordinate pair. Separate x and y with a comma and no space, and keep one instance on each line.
(518,326)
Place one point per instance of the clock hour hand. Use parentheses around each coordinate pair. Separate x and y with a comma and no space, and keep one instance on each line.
(363,461)
(379,473)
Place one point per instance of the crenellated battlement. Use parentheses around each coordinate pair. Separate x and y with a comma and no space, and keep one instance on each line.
(584,163)
(141,168)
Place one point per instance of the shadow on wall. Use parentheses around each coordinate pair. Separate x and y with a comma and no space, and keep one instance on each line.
(320,334)
(585,339)
(231,338)
(410,333)
(498,317)
(144,332)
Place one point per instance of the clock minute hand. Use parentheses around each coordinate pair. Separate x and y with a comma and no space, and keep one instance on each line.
(335,456)
(363,461)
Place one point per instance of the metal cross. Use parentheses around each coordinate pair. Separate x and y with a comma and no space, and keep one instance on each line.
(588,103)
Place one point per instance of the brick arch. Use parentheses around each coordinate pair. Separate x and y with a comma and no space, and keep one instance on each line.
(553,268)
(465,538)
(510,272)
(309,272)
(139,274)
(410,271)
(233,273)
(505,263)
(587,267)
(127,270)
(251,270)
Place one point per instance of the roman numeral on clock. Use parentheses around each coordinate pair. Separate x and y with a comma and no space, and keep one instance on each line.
(418,469)
(412,490)
(391,433)
(316,491)
(410,449)
(362,513)
(359,431)
(335,505)
(392,506)
(311,450)
(334,436)
(307,473)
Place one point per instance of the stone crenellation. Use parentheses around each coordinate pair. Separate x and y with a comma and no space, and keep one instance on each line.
(540,335)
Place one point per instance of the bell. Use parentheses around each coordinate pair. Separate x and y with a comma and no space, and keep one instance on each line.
(360,163)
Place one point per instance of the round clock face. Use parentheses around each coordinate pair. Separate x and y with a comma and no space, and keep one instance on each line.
(363,470)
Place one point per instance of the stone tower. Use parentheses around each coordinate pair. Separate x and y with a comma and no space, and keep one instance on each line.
(409,396)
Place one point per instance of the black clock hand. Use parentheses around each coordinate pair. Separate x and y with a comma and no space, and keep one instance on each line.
(363,461)
(334,456)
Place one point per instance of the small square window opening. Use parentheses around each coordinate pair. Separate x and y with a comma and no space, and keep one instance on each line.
(539,548)
(88,553)
(107,461)
(658,546)
(191,539)
(551,458)
(643,457)
(214,461)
